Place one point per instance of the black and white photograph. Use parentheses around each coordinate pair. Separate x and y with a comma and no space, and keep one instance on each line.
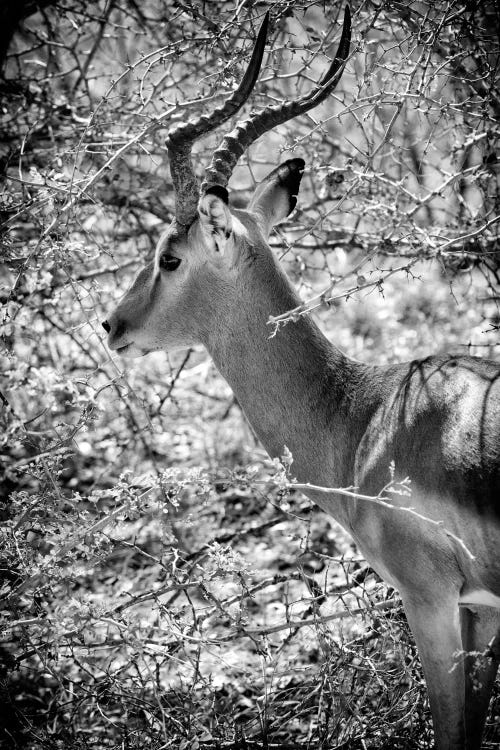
(249,375)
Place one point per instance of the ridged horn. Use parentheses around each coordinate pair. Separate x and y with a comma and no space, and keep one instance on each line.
(180,139)
(245,133)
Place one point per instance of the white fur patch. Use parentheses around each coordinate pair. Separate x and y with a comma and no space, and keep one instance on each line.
(215,220)
(479,597)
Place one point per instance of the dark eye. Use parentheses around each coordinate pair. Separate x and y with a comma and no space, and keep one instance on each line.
(169,262)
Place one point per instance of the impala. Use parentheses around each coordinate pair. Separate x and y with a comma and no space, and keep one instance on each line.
(214,280)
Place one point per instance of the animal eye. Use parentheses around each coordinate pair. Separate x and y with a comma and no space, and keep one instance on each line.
(169,262)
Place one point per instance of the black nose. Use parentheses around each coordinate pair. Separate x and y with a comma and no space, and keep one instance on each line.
(106,326)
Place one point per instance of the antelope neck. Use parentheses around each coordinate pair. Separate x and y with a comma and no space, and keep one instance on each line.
(295,388)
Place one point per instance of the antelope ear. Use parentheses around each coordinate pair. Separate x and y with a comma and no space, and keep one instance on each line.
(215,218)
(276,196)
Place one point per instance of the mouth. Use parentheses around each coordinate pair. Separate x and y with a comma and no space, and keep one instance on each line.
(131,351)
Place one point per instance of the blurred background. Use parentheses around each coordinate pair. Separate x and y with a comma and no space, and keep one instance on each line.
(160,586)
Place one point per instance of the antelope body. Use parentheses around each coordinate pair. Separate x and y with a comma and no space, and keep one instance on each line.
(215,281)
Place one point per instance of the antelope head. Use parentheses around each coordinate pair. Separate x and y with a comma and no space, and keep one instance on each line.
(169,304)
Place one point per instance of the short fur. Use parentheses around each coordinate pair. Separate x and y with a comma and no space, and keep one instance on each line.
(435,420)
